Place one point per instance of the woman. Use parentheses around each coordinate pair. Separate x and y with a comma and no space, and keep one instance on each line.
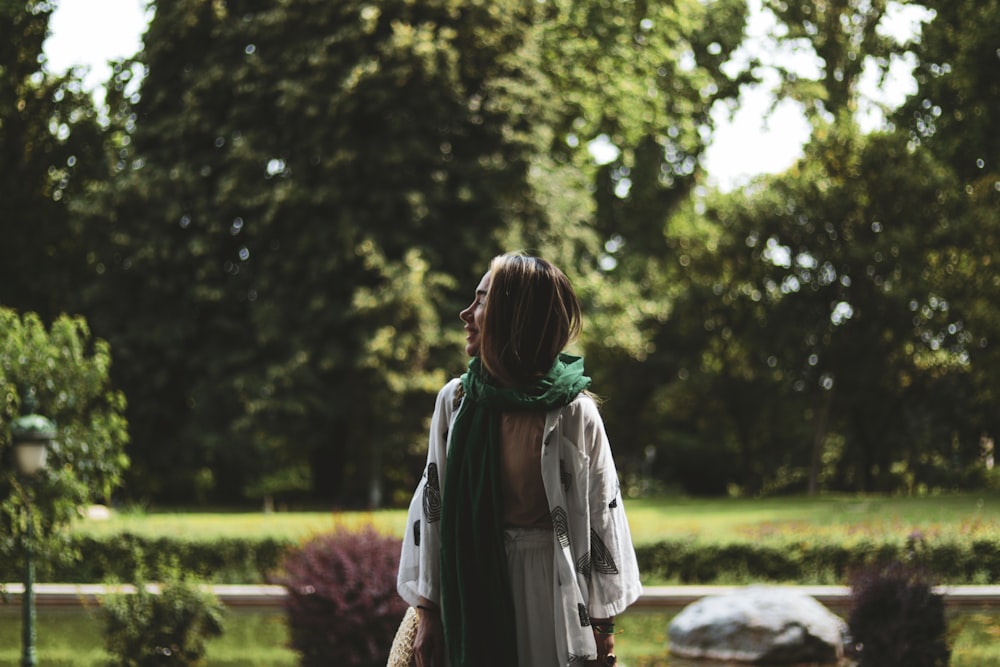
(518,552)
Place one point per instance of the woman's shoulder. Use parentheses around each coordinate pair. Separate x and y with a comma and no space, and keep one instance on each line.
(586,405)
(451,393)
(451,386)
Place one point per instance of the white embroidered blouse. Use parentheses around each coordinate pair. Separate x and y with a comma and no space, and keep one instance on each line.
(596,574)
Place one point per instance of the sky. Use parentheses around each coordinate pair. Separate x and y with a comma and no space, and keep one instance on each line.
(92,32)
(89,33)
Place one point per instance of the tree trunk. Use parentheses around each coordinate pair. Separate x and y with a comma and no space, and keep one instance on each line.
(819,436)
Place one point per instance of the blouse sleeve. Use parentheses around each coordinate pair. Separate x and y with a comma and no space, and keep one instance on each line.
(614,583)
(418,574)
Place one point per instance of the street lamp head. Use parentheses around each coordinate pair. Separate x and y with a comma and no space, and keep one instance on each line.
(30,436)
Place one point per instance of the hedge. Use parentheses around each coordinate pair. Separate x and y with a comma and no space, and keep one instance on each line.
(229,560)
(793,559)
(816,561)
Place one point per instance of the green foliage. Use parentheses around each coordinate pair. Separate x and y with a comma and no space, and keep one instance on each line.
(827,327)
(954,111)
(309,189)
(229,560)
(51,148)
(167,626)
(814,559)
(793,554)
(953,117)
(827,305)
(293,162)
(846,36)
(276,228)
(65,372)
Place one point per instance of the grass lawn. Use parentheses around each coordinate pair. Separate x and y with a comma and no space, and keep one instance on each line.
(650,519)
(72,638)
(843,515)
(211,525)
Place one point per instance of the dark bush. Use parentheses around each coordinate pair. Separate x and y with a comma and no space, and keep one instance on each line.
(986,556)
(342,604)
(896,618)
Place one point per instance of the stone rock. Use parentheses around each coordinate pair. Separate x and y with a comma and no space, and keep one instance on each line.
(758,624)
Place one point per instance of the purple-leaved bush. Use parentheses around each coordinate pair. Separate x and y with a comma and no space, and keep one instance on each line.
(342,605)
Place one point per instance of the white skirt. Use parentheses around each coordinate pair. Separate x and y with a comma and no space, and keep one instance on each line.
(530,554)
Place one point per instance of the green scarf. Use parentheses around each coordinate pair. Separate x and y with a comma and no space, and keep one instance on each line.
(476,603)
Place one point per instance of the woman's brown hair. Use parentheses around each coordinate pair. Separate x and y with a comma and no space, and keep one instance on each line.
(531,314)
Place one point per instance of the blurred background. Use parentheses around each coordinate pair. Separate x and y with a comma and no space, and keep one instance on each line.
(781,217)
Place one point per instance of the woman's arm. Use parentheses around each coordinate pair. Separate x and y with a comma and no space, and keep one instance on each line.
(428,645)
(604,636)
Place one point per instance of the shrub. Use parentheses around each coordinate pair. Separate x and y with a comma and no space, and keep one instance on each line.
(150,629)
(896,619)
(342,604)
(61,372)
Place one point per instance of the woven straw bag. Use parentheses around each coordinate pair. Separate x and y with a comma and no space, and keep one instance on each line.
(401,653)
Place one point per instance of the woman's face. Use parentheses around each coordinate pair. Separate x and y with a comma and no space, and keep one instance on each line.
(473,317)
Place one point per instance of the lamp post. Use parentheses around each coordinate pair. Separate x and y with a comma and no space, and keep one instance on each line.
(30,436)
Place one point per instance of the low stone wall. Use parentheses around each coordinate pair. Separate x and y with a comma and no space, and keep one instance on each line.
(653,597)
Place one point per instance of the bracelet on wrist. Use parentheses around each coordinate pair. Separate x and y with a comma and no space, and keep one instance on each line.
(423,607)
(604,628)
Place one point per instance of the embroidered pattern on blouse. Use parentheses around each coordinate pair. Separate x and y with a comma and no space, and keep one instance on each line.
(416,532)
(583,565)
(602,561)
(560,524)
(564,475)
(432,495)
(584,615)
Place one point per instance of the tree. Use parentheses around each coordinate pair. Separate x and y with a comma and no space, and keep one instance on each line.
(640,80)
(837,250)
(310,188)
(286,162)
(65,371)
(808,342)
(51,146)
(846,36)
(953,115)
